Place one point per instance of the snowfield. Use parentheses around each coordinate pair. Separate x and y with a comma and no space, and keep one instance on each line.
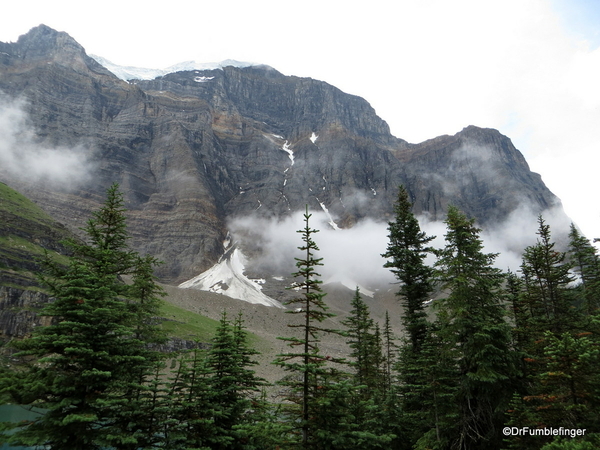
(227,278)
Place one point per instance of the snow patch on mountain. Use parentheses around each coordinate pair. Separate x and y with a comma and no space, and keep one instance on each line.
(286,148)
(350,284)
(326,211)
(140,73)
(227,278)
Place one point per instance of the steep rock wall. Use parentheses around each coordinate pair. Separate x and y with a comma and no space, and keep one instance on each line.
(193,149)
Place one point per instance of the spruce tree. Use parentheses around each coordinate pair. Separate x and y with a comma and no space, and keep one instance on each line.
(389,350)
(429,408)
(548,299)
(232,382)
(407,249)
(365,354)
(308,375)
(190,405)
(558,337)
(586,264)
(89,359)
(472,319)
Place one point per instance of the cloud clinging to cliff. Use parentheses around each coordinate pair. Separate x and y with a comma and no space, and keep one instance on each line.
(22,156)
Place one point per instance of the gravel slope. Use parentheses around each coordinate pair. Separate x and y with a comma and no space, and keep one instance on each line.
(269,323)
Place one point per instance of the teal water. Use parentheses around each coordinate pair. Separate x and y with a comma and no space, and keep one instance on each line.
(15,413)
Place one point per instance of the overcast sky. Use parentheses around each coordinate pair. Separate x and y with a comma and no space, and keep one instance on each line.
(529,68)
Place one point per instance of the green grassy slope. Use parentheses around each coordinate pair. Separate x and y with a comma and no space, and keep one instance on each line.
(26,231)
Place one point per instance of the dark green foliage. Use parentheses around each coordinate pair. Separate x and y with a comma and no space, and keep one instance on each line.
(90,360)
(365,406)
(307,369)
(454,384)
(571,382)
(214,396)
(556,335)
(232,383)
(591,442)
(564,388)
(407,249)
(265,431)
(389,350)
(191,413)
(346,422)
(366,352)
(547,300)
(433,417)
(145,300)
(334,410)
(472,320)
(586,264)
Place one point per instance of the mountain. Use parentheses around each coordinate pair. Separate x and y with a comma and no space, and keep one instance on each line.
(26,233)
(195,149)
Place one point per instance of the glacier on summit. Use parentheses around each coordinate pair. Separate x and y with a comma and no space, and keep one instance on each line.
(127,73)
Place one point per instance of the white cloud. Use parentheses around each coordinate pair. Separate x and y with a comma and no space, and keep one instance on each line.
(21,156)
(353,256)
(349,255)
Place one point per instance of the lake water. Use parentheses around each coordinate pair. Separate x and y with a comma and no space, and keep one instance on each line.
(15,413)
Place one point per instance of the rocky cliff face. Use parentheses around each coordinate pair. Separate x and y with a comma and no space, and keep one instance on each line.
(193,149)
(26,232)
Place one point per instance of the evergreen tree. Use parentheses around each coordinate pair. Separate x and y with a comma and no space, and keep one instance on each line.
(519,314)
(586,264)
(232,383)
(429,408)
(365,354)
(547,300)
(564,389)
(389,348)
(348,423)
(407,249)
(308,373)
(137,404)
(555,328)
(89,357)
(472,319)
(571,382)
(106,250)
(265,431)
(190,405)
(365,399)
(144,299)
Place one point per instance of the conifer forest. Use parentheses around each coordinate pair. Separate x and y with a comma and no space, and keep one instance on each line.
(504,361)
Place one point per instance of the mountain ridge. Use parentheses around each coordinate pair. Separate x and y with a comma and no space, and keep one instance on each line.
(194,149)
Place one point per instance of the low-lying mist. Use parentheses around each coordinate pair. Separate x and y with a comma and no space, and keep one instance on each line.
(23,157)
(349,255)
(353,256)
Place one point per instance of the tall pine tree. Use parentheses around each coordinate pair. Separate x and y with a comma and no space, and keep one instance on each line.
(548,299)
(90,357)
(406,252)
(308,374)
(232,382)
(472,319)
(586,264)
(365,355)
